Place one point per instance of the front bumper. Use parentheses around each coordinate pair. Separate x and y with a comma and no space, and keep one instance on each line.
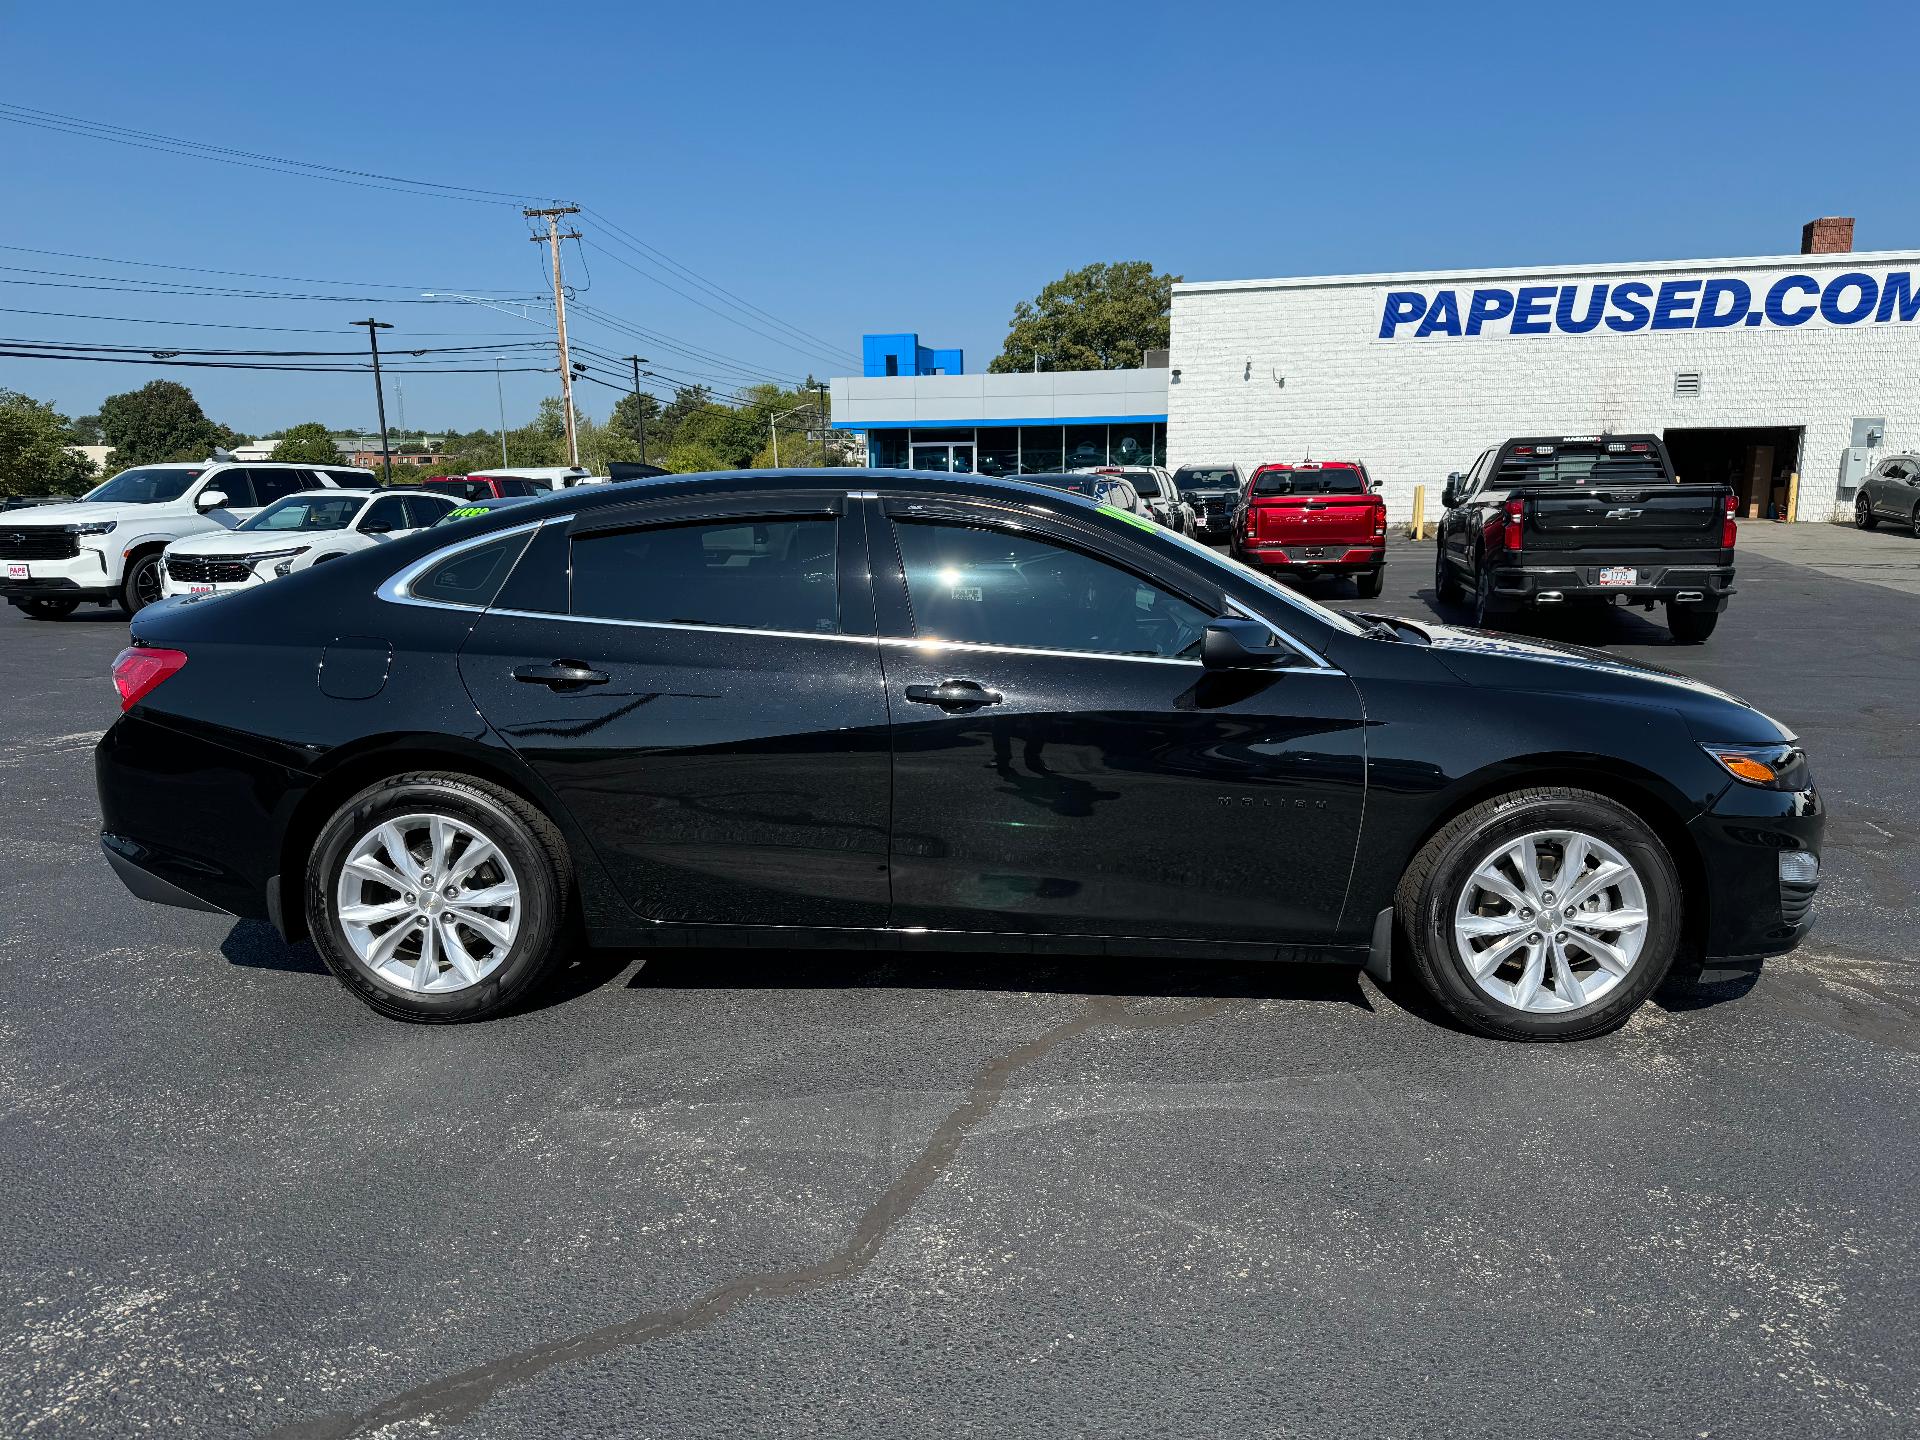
(84,576)
(169,587)
(1517,585)
(1751,909)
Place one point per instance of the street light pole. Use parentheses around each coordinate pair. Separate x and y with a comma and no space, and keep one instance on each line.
(639,405)
(500,394)
(379,393)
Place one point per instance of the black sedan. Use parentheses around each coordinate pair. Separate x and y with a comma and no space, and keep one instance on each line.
(916,711)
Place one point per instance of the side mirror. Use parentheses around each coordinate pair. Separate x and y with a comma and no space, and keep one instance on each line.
(210,500)
(376,527)
(1232,643)
(1373,487)
(1450,495)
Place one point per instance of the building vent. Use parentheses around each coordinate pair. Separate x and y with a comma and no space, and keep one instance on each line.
(1686,382)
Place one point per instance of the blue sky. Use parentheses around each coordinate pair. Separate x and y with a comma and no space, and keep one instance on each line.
(894,167)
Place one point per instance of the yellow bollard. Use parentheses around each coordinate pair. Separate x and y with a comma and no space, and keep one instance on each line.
(1793,496)
(1419,512)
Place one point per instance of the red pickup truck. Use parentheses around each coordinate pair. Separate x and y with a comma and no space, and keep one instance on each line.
(1319,517)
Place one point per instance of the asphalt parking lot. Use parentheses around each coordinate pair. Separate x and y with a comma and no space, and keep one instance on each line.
(716,1194)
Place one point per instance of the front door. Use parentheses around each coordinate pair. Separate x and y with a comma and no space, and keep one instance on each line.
(942,456)
(699,685)
(1063,763)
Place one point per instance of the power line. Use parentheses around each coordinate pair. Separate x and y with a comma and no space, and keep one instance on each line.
(270,354)
(114,285)
(218,325)
(243,274)
(7,353)
(249,159)
(668,342)
(639,246)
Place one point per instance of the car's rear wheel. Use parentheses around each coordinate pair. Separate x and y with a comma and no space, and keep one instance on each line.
(437,897)
(1913,522)
(140,586)
(1690,625)
(36,609)
(1369,583)
(1544,914)
(1863,515)
(1483,607)
(1446,585)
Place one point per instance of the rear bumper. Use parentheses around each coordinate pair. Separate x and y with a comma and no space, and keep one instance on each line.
(1314,559)
(1703,586)
(1751,910)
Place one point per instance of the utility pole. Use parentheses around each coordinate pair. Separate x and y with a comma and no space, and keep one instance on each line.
(823,423)
(379,393)
(639,405)
(552,238)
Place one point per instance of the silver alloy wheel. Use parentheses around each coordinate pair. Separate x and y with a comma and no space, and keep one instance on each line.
(428,903)
(146,580)
(1551,922)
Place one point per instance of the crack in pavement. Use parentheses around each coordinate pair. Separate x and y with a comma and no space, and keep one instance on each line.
(455,1398)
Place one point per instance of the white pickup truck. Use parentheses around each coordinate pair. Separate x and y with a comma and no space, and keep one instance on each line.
(105,548)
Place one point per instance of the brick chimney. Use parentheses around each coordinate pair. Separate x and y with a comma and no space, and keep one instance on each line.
(1829,235)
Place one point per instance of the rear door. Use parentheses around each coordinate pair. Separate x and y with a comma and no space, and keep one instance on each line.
(699,684)
(1064,765)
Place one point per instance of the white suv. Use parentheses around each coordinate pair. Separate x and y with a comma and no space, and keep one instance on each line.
(296,533)
(105,547)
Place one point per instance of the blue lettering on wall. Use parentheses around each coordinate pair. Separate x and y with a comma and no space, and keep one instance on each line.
(1716,303)
(1630,300)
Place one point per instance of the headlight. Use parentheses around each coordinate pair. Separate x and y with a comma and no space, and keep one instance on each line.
(1769,767)
(98,527)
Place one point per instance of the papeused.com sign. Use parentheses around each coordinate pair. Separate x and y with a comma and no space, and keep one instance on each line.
(1623,307)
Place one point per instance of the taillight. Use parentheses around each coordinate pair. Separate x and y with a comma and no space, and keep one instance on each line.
(139,669)
(1380,518)
(1727,527)
(1512,535)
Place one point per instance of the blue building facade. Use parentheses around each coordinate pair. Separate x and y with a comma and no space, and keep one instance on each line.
(904,355)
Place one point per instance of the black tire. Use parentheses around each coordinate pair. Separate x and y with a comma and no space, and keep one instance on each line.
(531,844)
(1913,522)
(35,609)
(1446,584)
(1863,516)
(1428,891)
(1483,608)
(1369,583)
(1690,625)
(140,586)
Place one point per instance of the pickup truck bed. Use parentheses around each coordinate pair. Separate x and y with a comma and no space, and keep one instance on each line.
(1587,519)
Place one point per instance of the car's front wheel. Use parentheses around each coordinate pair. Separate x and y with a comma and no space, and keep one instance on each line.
(437,897)
(140,586)
(1543,914)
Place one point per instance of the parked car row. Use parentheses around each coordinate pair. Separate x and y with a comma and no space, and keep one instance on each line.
(987,716)
(163,530)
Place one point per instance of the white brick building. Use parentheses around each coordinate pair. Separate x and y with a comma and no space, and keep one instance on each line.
(1751,368)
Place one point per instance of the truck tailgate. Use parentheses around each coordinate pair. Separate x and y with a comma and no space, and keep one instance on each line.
(1314,519)
(1626,517)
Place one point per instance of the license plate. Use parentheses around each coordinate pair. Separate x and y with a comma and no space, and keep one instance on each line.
(19,572)
(200,589)
(1619,575)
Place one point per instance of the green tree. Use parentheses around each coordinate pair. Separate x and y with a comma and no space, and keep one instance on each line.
(34,459)
(310,444)
(159,421)
(634,416)
(85,431)
(1101,317)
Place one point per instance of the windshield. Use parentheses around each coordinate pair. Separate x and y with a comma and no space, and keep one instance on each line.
(307,512)
(150,485)
(1330,480)
(1145,481)
(1221,477)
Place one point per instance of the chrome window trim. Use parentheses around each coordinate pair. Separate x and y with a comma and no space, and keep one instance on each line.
(397,589)
(895,641)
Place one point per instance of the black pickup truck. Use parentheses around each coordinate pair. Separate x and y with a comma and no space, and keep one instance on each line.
(1586,519)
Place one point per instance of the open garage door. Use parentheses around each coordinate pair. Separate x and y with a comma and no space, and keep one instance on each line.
(1754,461)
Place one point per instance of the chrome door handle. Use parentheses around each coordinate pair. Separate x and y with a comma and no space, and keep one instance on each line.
(954,695)
(561,674)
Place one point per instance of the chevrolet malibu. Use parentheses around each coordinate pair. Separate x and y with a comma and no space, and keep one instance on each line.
(913,711)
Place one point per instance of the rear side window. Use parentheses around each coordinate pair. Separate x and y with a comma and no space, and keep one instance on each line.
(472,577)
(354,479)
(272,485)
(425,510)
(1146,483)
(1330,480)
(751,574)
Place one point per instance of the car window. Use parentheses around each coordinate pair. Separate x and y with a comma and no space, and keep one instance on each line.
(994,587)
(354,479)
(235,485)
(272,485)
(423,510)
(472,577)
(389,512)
(1213,477)
(150,485)
(306,512)
(1147,485)
(754,574)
